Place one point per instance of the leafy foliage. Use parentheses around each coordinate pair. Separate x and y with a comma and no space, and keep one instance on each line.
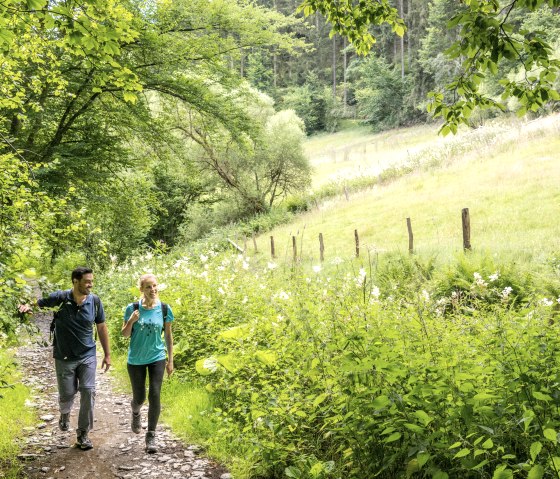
(361,370)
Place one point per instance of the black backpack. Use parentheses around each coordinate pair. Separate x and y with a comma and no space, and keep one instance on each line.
(96,304)
(164,307)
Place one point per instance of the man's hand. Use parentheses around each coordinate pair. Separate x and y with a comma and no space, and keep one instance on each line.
(25,309)
(106,364)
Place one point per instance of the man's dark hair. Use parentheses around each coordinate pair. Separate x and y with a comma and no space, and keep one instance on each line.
(79,272)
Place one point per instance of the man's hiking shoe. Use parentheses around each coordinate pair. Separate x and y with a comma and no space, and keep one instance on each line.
(151,447)
(135,423)
(83,442)
(64,422)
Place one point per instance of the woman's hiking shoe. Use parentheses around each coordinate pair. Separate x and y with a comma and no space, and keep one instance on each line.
(136,423)
(64,422)
(83,441)
(151,447)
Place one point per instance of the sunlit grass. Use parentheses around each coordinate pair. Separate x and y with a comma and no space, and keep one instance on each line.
(512,191)
(358,151)
(188,410)
(14,415)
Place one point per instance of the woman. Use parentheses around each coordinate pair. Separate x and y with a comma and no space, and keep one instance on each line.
(143,323)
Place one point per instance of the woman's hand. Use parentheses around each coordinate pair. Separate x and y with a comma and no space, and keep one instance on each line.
(169,367)
(134,317)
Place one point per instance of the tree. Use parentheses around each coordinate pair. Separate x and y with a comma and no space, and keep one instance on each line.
(81,83)
(381,93)
(261,166)
(487,35)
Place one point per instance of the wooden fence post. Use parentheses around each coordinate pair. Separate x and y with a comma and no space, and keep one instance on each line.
(272,252)
(321,248)
(466,229)
(294,247)
(357,239)
(346,193)
(410,236)
(255,243)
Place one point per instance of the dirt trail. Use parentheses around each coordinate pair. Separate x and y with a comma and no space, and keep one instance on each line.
(117,452)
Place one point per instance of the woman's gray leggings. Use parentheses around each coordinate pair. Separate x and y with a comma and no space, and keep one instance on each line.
(137,376)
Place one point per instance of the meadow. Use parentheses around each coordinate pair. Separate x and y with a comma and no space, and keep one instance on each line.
(440,364)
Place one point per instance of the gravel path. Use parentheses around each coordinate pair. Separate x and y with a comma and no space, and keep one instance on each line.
(117,452)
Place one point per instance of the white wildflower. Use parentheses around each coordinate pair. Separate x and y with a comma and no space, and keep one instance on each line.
(317,268)
(178,301)
(336,260)
(221,290)
(546,302)
(162,286)
(506,292)
(211,364)
(272,265)
(360,280)
(425,295)
(494,277)
(284,295)
(375,292)
(203,258)
(478,280)
(245,265)
(244,300)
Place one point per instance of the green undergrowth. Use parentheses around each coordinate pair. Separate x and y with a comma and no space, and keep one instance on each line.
(14,415)
(390,366)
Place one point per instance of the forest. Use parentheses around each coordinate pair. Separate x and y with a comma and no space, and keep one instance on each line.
(133,131)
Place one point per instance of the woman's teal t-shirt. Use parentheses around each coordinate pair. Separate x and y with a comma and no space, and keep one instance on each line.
(146,340)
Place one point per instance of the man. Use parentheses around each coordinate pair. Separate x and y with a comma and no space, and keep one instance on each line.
(74,349)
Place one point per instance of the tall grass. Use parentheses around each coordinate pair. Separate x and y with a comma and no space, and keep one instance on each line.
(14,415)
(508,178)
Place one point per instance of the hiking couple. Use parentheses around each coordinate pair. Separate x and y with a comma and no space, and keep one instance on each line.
(74,351)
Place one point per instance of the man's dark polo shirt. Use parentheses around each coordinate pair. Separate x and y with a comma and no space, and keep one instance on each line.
(73,333)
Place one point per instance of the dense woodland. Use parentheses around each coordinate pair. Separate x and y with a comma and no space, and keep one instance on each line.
(134,124)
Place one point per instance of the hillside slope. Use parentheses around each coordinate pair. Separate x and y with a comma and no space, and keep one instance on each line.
(508,175)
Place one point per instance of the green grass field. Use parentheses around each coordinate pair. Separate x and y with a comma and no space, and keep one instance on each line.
(14,415)
(509,180)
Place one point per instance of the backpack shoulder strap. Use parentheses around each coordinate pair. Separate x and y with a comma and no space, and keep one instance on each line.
(135,305)
(96,303)
(164,309)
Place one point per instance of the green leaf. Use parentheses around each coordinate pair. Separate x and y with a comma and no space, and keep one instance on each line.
(488,444)
(381,402)
(536,472)
(414,428)
(454,445)
(502,473)
(36,4)
(319,399)
(393,437)
(480,465)
(423,417)
(536,448)
(6,36)
(266,357)
(462,453)
(550,434)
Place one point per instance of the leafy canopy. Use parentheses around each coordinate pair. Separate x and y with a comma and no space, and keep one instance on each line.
(488,35)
